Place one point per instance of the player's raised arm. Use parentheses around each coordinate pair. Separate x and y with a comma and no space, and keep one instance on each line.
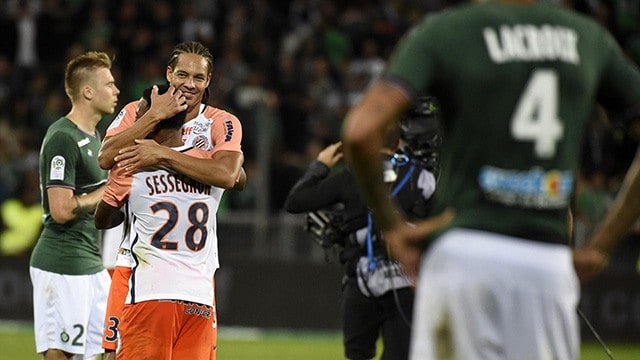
(126,129)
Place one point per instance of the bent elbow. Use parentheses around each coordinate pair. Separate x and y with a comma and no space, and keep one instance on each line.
(105,155)
(354,139)
(105,162)
(229,183)
(60,218)
(100,223)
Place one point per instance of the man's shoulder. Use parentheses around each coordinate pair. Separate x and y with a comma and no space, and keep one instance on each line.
(127,113)
(129,108)
(61,124)
(213,113)
(62,128)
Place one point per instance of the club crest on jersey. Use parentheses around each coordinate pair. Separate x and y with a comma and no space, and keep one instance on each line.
(196,133)
(200,141)
(57,168)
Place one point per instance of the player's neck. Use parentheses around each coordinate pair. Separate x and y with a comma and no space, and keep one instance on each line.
(86,119)
(193,113)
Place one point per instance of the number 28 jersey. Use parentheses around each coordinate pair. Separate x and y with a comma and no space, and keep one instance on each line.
(171,226)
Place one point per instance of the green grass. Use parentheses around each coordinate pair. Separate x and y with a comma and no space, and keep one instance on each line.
(16,343)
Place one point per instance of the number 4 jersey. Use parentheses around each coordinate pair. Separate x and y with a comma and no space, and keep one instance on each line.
(171,226)
(517,85)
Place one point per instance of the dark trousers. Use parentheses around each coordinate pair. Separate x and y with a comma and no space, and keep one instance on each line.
(364,319)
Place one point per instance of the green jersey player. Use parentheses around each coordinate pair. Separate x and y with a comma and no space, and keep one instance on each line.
(70,284)
(516,82)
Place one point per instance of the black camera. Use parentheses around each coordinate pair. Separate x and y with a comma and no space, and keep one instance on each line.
(420,133)
(324,226)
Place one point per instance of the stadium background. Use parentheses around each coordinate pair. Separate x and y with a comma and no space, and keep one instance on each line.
(289,70)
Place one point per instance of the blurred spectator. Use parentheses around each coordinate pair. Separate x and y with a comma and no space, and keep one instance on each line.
(328,107)
(21,217)
(195,26)
(55,106)
(59,24)
(230,71)
(164,20)
(26,53)
(6,84)
(363,70)
(97,34)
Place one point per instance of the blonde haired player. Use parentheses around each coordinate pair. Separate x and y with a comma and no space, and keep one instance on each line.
(70,283)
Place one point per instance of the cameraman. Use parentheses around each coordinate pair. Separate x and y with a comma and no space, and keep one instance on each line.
(374,300)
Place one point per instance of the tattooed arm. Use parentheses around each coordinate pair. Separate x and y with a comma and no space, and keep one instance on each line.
(65,206)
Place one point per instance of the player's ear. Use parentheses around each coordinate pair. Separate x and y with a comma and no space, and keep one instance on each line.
(87,92)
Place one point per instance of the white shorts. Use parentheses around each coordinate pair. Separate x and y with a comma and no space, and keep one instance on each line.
(482,295)
(69,311)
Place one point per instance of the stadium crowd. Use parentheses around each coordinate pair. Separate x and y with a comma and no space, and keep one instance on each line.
(304,62)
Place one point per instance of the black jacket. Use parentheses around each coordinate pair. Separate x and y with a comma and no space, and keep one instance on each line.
(321,188)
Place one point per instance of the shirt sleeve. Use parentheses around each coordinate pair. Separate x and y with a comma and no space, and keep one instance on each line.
(414,62)
(619,90)
(226,133)
(318,188)
(126,117)
(118,188)
(60,155)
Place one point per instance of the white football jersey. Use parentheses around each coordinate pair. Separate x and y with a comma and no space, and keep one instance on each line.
(171,229)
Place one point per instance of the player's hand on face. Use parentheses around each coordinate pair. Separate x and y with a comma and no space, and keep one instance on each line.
(168,104)
(331,154)
(588,263)
(145,153)
(406,241)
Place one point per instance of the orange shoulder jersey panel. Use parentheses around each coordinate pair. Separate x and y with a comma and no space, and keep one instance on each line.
(115,304)
(126,117)
(118,187)
(226,129)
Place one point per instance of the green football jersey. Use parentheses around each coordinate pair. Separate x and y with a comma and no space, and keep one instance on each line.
(69,158)
(516,85)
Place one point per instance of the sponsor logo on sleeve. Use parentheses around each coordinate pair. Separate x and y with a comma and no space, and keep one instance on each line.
(57,168)
(229,127)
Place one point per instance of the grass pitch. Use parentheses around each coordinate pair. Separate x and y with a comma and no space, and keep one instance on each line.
(16,343)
